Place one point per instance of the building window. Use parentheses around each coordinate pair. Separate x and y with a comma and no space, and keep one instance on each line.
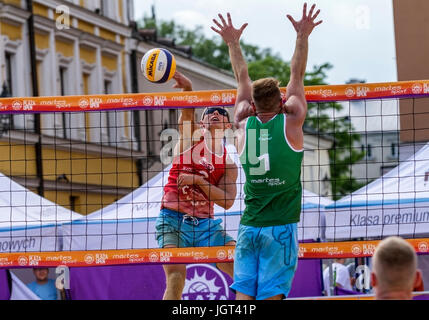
(394,150)
(369,151)
(74,202)
(8,62)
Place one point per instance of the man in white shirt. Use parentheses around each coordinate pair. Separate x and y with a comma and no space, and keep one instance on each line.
(340,276)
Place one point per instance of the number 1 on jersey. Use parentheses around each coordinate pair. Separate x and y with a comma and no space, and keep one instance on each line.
(266,158)
(264,166)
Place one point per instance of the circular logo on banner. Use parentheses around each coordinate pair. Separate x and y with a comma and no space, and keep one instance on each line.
(153,257)
(350,92)
(89,259)
(215,98)
(83,103)
(417,88)
(147,101)
(356,250)
(17,105)
(222,255)
(22,261)
(423,246)
(205,282)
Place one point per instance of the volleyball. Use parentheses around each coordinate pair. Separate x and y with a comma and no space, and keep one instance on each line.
(158,65)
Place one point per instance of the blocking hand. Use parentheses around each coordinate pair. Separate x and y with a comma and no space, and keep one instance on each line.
(307,23)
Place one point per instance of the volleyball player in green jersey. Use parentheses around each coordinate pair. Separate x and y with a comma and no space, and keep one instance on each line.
(270,142)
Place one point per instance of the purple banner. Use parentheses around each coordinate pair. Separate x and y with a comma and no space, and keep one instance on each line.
(4,286)
(308,279)
(147,282)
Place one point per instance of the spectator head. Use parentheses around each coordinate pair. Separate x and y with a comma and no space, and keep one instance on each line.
(41,274)
(395,274)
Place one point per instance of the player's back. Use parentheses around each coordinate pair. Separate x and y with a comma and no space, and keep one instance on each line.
(273,174)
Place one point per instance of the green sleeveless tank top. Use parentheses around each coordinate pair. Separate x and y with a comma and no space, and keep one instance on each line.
(273,187)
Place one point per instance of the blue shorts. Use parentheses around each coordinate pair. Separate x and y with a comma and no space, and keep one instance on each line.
(265,260)
(174,228)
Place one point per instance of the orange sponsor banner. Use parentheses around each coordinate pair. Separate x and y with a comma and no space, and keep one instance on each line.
(117,257)
(355,297)
(326,250)
(200,99)
(352,249)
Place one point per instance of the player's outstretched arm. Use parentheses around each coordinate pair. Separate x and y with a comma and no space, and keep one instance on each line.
(186,121)
(296,104)
(231,36)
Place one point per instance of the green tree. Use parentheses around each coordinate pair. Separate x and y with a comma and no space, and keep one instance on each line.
(264,63)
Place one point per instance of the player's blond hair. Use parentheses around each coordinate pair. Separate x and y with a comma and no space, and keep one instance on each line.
(266,94)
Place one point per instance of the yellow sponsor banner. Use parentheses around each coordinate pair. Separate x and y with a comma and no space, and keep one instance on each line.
(198,99)
(354,249)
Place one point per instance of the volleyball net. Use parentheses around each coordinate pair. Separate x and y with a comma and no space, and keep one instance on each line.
(82,177)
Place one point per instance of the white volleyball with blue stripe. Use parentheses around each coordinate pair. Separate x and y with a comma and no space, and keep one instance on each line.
(158,65)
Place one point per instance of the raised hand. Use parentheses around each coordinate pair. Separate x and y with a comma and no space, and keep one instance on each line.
(307,23)
(227,31)
(182,82)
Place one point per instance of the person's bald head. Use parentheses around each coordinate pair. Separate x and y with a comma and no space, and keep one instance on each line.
(395,266)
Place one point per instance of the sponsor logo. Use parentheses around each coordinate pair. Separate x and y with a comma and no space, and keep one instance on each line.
(324,93)
(153,257)
(22,261)
(28,105)
(165,256)
(100,258)
(94,103)
(159,101)
(34,260)
(147,101)
(62,104)
(5,262)
(228,98)
(350,92)
(301,252)
(417,88)
(16,105)
(89,259)
(368,249)
(215,98)
(396,90)
(425,88)
(221,255)
(200,256)
(358,92)
(151,65)
(126,102)
(83,103)
(356,250)
(423,246)
(205,282)
(161,66)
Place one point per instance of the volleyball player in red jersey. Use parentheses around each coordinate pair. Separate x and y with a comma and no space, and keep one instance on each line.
(202,175)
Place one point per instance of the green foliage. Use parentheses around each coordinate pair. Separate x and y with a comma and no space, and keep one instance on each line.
(264,63)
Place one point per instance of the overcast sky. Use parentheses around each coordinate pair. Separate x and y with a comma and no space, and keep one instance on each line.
(356,37)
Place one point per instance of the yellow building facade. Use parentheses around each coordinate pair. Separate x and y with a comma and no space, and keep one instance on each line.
(86,160)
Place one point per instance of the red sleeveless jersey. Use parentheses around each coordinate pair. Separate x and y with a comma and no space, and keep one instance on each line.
(190,199)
